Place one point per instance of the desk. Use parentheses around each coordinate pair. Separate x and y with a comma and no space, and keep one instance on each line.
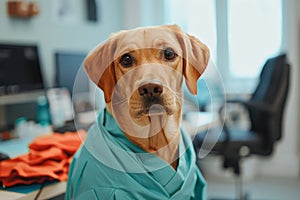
(15,147)
(193,123)
(48,192)
(23,97)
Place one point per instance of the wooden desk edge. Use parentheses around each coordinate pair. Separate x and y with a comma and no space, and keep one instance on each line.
(48,192)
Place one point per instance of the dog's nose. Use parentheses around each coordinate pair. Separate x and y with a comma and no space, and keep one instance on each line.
(150,90)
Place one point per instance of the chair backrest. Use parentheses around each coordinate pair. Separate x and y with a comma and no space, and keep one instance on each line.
(271,92)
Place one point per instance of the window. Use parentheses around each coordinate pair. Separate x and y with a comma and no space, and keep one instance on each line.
(254,34)
(201,24)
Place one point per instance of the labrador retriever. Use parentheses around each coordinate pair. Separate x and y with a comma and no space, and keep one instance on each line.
(166,46)
(141,72)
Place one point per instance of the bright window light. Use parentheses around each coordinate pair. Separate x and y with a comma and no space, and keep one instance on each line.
(255,28)
(197,17)
(202,22)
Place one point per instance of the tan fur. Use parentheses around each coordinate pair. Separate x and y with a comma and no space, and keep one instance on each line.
(146,46)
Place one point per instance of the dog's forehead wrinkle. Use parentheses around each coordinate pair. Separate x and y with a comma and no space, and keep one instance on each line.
(147,38)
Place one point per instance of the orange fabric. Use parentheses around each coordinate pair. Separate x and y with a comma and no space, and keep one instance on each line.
(48,160)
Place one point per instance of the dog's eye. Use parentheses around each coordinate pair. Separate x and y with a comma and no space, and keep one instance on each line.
(126,60)
(169,54)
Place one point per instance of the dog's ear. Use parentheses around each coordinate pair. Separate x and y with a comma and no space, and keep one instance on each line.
(195,62)
(195,57)
(99,65)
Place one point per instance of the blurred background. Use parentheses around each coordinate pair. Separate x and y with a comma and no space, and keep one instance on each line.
(241,35)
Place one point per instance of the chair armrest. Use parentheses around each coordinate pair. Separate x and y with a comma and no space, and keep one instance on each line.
(265,109)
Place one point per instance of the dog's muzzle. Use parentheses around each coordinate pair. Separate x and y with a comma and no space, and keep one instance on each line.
(150,94)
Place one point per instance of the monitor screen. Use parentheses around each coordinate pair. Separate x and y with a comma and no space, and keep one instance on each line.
(68,68)
(19,68)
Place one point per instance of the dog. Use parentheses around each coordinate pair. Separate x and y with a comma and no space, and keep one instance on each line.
(141,72)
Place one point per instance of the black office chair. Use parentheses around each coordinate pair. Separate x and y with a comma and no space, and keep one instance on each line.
(265,108)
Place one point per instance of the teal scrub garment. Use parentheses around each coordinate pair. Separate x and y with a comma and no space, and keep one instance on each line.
(109,166)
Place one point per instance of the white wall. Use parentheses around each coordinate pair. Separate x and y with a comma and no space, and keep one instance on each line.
(143,13)
(72,33)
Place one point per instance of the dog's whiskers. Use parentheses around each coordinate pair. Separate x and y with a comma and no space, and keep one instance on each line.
(121,101)
(178,96)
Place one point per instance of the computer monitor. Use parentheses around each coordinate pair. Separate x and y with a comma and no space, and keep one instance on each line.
(20,68)
(68,68)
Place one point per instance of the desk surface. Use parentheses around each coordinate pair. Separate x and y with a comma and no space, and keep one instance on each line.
(23,97)
(193,123)
(15,147)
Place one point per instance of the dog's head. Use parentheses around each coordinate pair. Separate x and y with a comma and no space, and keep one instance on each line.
(145,67)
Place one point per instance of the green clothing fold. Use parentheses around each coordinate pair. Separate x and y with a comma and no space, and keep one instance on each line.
(109,166)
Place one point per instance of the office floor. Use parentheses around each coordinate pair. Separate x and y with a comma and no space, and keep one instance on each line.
(258,188)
